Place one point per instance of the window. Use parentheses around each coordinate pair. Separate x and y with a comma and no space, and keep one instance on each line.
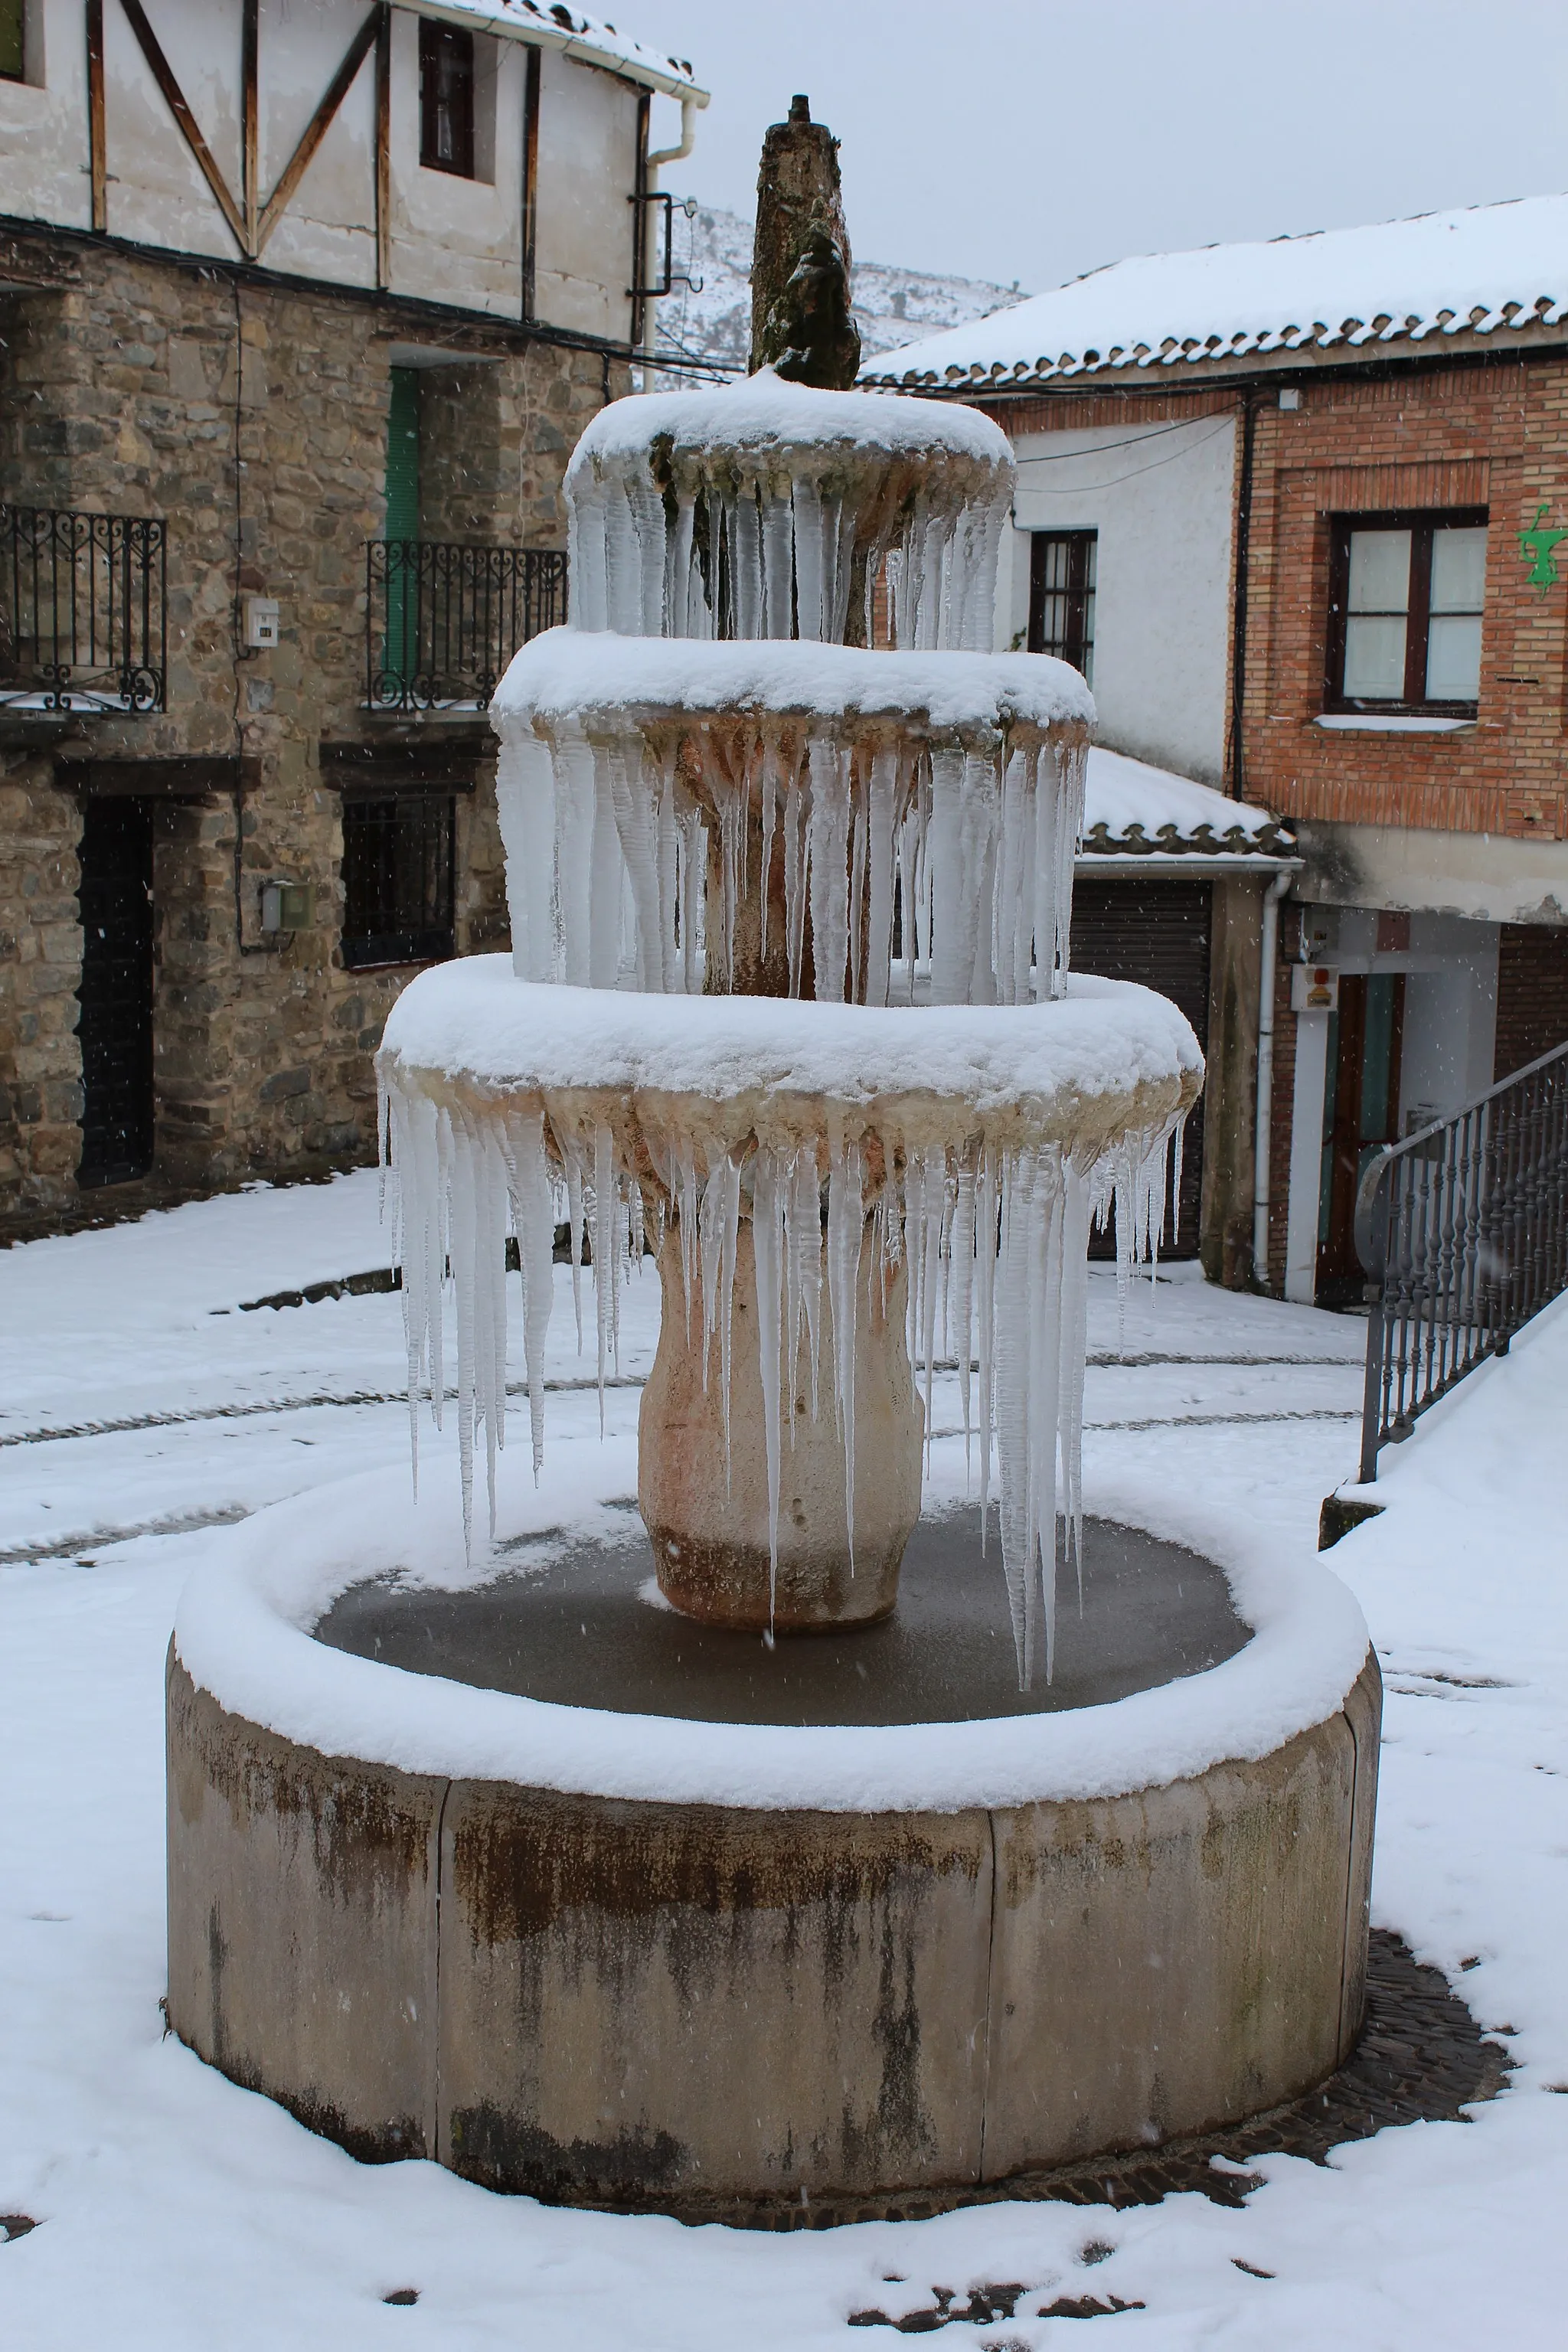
(1405,612)
(1061,597)
(397,878)
(13,40)
(446,99)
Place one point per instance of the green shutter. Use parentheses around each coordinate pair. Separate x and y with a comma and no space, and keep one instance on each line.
(402,455)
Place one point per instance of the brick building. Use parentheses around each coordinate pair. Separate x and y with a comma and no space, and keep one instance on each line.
(301,313)
(1311,494)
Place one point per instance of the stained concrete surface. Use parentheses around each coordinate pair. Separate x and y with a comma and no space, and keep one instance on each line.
(572,1624)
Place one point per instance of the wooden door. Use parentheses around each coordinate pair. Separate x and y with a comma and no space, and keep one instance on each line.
(1360,1111)
(115,1027)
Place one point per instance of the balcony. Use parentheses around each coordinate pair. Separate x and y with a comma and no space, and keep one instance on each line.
(442,621)
(83,613)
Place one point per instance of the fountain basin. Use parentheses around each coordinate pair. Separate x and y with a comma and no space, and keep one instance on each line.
(627,1956)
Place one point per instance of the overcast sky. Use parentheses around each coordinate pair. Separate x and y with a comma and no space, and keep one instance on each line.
(1029,140)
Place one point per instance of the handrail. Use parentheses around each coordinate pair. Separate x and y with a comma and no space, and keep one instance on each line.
(83,611)
(1462,1228)
(443,621)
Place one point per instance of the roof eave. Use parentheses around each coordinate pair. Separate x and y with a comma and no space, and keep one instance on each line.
(538,32)
(1189,371)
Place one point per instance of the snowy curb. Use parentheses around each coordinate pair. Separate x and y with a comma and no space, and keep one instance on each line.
(243,1633)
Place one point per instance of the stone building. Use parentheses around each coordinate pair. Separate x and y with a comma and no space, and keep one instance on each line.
(301,312)
(1303,506)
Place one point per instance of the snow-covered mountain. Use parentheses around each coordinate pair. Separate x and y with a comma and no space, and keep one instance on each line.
(892,305)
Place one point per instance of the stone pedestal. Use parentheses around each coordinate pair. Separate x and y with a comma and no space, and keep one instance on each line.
(708,1514)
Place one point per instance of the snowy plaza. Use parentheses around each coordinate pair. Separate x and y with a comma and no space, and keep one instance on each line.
(145,1410)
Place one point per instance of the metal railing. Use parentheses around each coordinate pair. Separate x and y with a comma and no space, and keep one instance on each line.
(83,611)
(1463,1231)
(442,621)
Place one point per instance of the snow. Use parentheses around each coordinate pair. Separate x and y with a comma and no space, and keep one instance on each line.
(564,673)
(550,23)
(766,417)
(1487,267)
(1061,1071)
(182,2213)
(1125,797)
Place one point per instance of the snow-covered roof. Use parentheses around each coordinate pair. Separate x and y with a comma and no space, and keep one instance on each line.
(1132,808)
(550,25)
(1488,269)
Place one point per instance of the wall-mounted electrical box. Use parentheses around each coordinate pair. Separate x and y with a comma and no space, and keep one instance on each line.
(286,906)
(1314,988)
(261,621)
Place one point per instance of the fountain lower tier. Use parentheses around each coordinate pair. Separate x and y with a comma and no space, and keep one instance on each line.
(526,1873)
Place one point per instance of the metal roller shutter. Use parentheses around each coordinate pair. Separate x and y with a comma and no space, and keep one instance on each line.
(1156,932)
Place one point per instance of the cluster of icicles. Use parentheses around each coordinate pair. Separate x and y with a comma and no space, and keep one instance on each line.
(993,1241)
(962,858)
(740,557)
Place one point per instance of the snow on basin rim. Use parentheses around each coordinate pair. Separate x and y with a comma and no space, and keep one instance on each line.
(764,413)
(243,1632)
(565,673)
(475,1021)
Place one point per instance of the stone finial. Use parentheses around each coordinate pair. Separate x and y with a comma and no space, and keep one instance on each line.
(800,262)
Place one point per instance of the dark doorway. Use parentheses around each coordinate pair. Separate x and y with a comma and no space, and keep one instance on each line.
(1360,1111)
(116,993)
(1156,933)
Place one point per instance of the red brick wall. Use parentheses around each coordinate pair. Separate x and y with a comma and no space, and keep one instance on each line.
(1531,994)
(1494,434)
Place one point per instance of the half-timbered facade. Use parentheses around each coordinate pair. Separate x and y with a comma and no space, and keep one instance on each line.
(301,312)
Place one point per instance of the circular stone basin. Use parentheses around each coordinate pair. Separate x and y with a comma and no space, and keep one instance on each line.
(586,1627)
(531,1875)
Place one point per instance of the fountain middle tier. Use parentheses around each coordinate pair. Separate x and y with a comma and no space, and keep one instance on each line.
(765,818)
(917,1181)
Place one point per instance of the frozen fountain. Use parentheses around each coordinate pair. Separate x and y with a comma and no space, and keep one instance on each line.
(792,1893)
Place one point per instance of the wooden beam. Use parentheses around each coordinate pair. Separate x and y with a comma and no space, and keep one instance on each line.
(174,98)
(98,161)
(316,130)
(383,147)
(251,164)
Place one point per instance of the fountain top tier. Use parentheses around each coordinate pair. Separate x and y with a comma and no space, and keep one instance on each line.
(769,510)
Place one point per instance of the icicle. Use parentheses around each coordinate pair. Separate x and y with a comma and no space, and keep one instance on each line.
(960,1324)
(797,839)
(809,583)
(574,1228)
(828,850)
(770,819)
(770,1193)
(533,1216)
(606,1255)
(881,798)
(525,805)
(846,1229)
(572,763)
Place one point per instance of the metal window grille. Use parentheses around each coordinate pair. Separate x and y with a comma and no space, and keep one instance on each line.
(443,622)
(1062,565)
(446,99)
(399,879)
(83,611)
(1463,1231)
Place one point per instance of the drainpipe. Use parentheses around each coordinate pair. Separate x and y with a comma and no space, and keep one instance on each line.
(1266,967)
(1238,609)
(650,182)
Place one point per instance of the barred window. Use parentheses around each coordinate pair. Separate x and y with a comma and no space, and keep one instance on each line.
(1061,596)
(398,868)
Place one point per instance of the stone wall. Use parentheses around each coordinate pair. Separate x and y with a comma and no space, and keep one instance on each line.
(131,385)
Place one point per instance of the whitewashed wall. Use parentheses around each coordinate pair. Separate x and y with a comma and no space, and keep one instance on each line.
(1160,501)
(452,240)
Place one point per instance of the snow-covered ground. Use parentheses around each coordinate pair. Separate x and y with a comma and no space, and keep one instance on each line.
(175,2210)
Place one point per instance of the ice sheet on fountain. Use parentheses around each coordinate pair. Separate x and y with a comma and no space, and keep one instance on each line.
(243,1632)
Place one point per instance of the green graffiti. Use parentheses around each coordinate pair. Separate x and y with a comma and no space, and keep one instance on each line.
(1539,549)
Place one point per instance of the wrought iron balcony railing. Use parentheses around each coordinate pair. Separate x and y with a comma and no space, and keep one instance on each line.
(1463,1231)
(443,622)
(83,611)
